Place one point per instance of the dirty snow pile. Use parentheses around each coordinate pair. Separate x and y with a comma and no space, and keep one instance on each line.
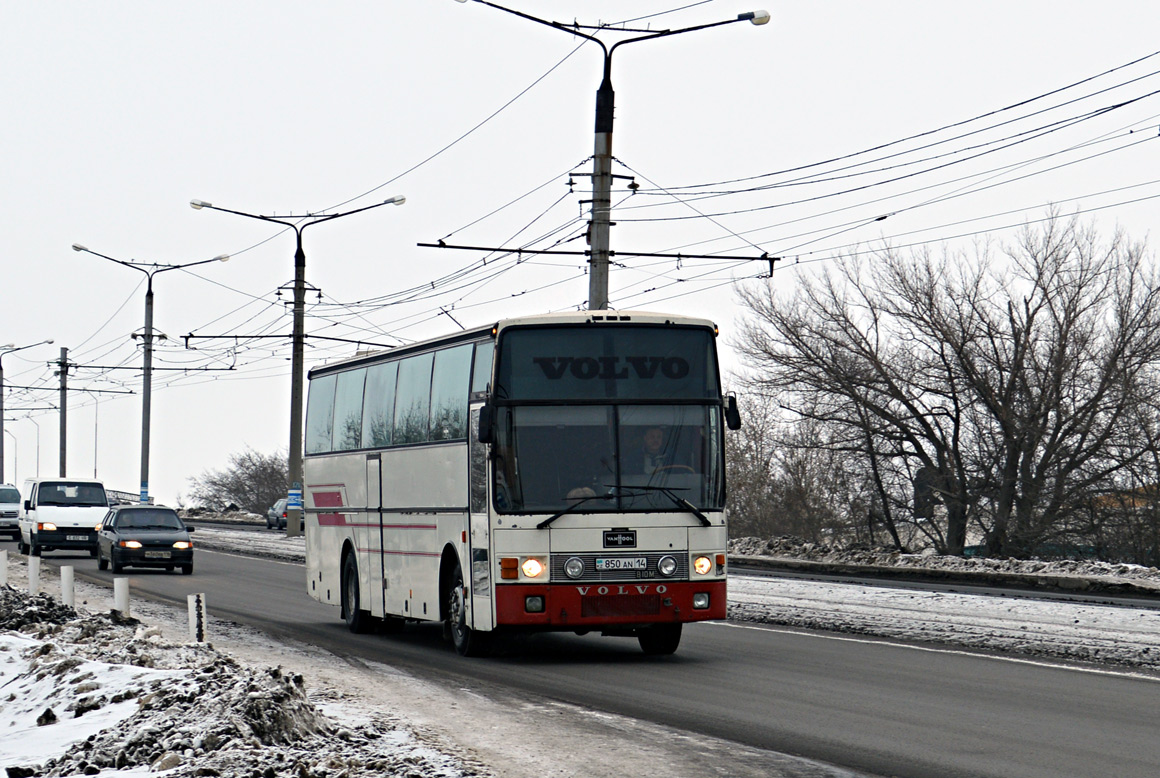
(106,693)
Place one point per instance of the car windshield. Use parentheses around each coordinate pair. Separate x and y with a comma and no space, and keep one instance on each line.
(8,494)
(70,493)
(149,519)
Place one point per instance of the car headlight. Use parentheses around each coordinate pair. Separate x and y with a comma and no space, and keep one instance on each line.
(46,526)
(703,565)
(183,544)
(667,566)
(574,567)
(532,567)
(130,544)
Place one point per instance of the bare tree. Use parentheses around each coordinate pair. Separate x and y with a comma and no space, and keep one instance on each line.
(1015,385)
(252,482)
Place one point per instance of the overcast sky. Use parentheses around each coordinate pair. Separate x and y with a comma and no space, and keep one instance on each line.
(117,114)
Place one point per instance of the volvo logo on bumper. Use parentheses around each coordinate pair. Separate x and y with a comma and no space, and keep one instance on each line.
(620,538)
(622,589)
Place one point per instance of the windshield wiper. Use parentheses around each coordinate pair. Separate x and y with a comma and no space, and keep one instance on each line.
(678,500)
(574,506)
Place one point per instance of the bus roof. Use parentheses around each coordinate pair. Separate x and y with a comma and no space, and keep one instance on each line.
(601,317)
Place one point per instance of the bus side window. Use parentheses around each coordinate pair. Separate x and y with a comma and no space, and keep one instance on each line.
(379,405)
(413,401)
(320,414)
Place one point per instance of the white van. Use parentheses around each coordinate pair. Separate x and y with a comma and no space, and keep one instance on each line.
(61,513)
(9,510)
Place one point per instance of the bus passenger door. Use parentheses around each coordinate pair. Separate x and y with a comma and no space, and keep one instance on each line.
(479,538)
(377,579)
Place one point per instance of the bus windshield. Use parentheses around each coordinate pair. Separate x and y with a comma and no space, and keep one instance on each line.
(607,458)
(607,419)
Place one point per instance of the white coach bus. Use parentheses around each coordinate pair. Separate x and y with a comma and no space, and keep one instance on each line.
(553,472)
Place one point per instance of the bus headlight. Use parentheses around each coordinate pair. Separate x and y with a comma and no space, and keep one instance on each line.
(532,567)
(574,567)
(701,601)
(46,526)
(534,603)
(666,566)
(703,565)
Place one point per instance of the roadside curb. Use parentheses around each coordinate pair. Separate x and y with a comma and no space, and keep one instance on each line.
(1044,581)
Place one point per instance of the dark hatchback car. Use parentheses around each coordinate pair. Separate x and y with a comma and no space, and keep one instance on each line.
(144,536)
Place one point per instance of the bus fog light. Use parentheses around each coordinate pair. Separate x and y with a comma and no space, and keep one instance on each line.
(667,566)
(700,601)
(535,603)
(702,565)
(574,567)
(532,567)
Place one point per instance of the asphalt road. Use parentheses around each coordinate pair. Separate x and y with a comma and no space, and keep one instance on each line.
(875,706)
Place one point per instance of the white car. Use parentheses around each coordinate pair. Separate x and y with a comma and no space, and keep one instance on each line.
(9,510)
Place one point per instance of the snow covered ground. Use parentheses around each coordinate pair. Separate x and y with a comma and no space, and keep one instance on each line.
(85,692)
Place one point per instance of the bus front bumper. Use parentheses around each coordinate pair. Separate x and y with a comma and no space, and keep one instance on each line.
(593,605)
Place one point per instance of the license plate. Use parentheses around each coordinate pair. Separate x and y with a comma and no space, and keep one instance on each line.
(157,555)
(622,563)
(76,537)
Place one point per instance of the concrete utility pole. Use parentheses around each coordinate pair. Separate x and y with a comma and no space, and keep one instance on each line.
(599,227)
(297,353)
(63,373)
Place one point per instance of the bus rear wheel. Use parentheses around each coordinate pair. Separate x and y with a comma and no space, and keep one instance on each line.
(467,641)
(660,640)
(357,620)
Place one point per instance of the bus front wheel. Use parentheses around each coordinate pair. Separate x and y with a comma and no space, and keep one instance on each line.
(660,640)
(467,641)
(357,620)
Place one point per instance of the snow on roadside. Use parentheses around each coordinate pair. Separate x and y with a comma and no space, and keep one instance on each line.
(94,694)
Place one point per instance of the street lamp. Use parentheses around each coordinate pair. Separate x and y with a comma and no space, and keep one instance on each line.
(150,270)
(297,357)
(602,155)
(8,349)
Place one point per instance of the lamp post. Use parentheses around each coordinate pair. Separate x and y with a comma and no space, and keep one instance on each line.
(599,226)
(8,349)
(150,270)
(297,356)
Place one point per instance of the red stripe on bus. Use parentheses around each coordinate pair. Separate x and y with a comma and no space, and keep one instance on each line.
(327,499)
(337,520)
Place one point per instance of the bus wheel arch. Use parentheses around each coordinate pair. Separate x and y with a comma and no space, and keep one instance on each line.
(357,619)
(453,608)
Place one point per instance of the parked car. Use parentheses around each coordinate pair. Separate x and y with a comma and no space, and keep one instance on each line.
(9,510)
(144,536)
(276,515)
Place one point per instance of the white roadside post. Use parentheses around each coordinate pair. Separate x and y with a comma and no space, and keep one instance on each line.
(67,595)
(3,568)
(197,617)
(121,596)
(34,575)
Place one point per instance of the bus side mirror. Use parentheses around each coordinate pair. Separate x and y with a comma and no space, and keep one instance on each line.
(486,422)
(732,415)
(27,505)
